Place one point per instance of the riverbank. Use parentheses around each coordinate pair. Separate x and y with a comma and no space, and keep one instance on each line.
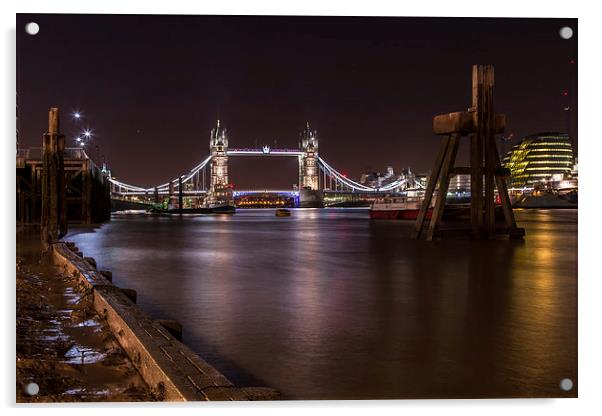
(62,345)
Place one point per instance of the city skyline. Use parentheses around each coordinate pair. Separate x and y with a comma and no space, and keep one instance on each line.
(361,82)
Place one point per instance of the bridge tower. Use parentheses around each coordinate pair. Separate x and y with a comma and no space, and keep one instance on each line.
(309,171)
(308,163)
(219,186)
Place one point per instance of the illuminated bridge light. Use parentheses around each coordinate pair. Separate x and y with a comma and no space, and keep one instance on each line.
(344,184)
(264,151)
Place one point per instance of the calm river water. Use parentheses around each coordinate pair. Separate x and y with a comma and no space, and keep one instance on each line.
(327,304)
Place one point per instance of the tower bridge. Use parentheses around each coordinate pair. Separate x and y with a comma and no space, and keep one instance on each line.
(208,181)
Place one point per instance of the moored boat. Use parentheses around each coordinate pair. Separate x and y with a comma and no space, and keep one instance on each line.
(397,208)
(404,208)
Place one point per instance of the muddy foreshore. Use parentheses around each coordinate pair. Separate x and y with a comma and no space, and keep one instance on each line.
(62,345)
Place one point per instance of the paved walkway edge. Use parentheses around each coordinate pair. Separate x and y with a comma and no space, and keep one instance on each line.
(172,370)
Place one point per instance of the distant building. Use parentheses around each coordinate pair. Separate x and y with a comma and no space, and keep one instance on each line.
(575,170)
(563,182)
(378,179)
(370,179)
(390,172)
(540,158)
(459,184)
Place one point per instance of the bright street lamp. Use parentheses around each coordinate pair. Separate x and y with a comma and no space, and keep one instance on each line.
(77,115)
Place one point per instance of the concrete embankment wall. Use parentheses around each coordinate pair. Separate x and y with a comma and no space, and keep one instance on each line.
(169,367)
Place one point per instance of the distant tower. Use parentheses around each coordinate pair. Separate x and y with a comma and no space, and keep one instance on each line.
(308,162)
(218,144)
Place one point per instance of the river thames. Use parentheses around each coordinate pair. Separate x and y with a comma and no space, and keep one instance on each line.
(327,304)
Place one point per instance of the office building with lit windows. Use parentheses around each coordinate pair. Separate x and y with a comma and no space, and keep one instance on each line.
(540,158)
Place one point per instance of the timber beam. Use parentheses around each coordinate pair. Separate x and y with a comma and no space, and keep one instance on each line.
(464,122)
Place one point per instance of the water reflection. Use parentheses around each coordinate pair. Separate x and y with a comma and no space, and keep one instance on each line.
(327,304)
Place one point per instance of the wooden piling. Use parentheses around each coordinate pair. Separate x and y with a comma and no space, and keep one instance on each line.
(480,124)
(87,191)
(483,83)
(53,219)
(61,186)
(448,162)
(430,188)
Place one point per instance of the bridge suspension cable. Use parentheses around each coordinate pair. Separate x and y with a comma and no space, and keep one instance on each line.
(342,179)
(323,165)
(165,186)
(398,183)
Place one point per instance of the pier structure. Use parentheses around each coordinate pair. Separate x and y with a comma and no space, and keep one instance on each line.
(58,185)
(480,124)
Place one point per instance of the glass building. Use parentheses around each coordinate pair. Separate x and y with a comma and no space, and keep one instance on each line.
(539,158)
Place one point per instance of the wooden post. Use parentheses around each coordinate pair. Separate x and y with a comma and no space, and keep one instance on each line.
(83,202)
(20,200)
(476,162)
(430,188)
(87,192)
(448,164)
(62,188)
(53,196)
(483,75)
(34,195)
(480,123)
(46,220)
(502,190)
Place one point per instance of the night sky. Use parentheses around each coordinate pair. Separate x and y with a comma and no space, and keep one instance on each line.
(152,87)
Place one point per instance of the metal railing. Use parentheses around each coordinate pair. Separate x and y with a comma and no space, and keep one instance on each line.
(35,153)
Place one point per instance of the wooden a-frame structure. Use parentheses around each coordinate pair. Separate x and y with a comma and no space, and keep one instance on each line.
(480,124)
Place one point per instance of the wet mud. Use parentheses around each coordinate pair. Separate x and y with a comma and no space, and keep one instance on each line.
(62,344)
